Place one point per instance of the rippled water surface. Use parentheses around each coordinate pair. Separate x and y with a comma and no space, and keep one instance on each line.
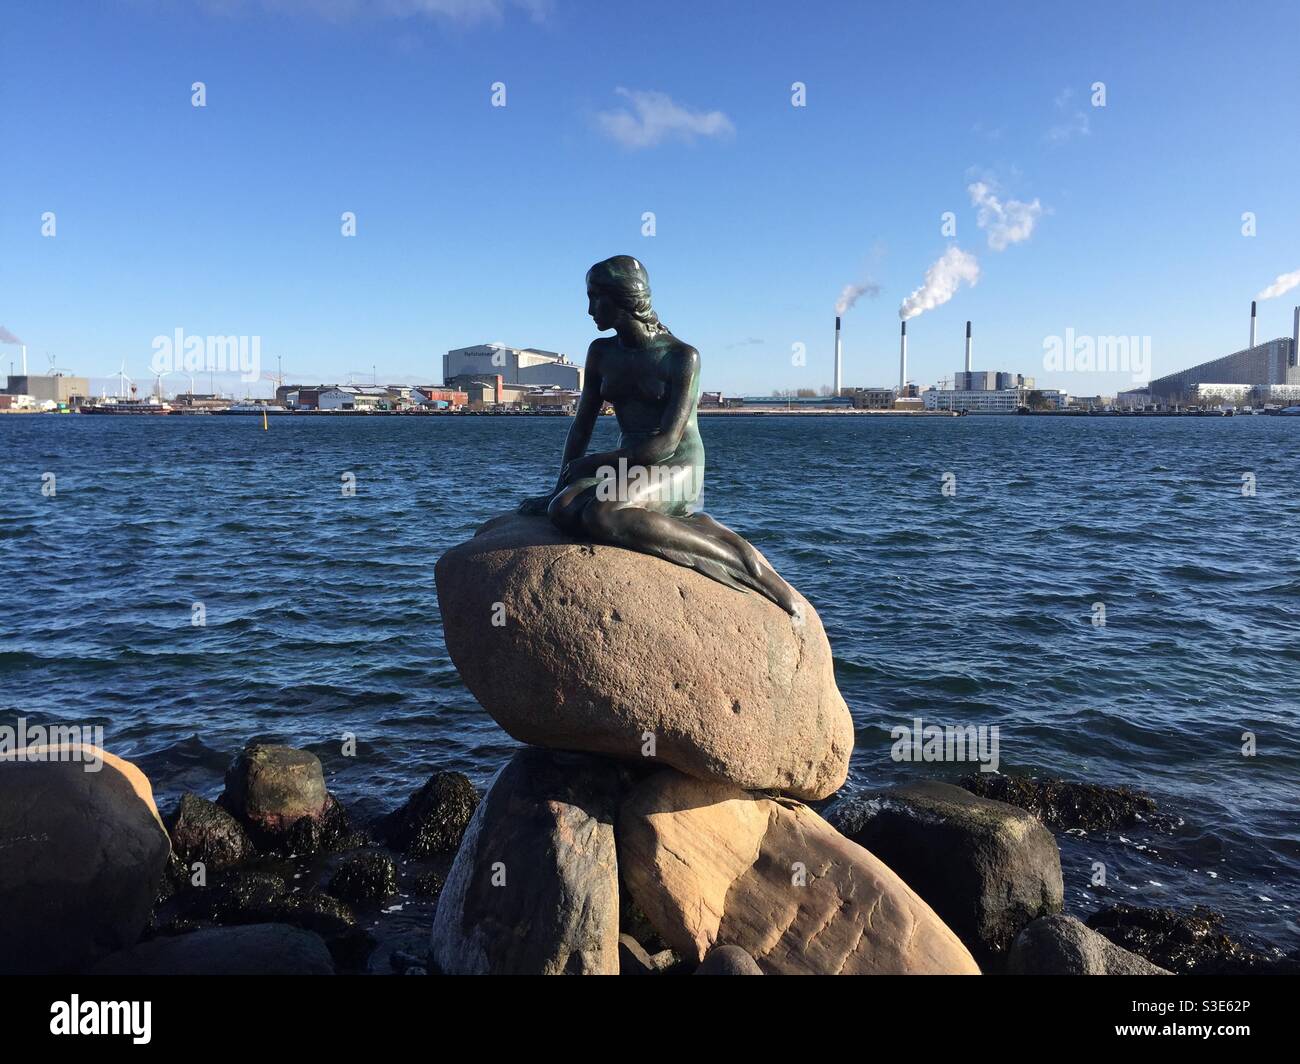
(977,608)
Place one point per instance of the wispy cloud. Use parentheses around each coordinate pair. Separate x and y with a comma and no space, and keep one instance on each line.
(1006,223)
(851,293)
(655,118)
(6,337)
(1283,283)
(748,341)
(1073,121)
(459,11)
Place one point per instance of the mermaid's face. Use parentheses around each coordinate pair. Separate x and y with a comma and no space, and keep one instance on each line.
(601,308)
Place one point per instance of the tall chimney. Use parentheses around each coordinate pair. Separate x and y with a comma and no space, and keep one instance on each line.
(1295,339)
(902,360)
(1252,323)
(24,362)
(839,358)
(968,347)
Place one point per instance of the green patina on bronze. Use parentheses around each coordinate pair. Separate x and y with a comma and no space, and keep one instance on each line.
(643,496)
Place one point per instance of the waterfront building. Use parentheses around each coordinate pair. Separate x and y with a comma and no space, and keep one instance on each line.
(1270,363)
(994,400)
(55,388)
(524,366)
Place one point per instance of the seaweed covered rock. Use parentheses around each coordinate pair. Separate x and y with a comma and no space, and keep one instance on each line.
(82,855)
(365,877)
(202,831)
(254,949)
(710,864)
(434,819)
(1063,805)
(534,887)
(563,643)
(987,868)
(1190,943)
(1061,945)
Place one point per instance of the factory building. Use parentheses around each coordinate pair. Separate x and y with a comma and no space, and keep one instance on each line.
(1272,363)
(55,388)
(529,366)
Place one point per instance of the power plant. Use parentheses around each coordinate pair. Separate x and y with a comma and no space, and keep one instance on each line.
(902,359)
(839,359)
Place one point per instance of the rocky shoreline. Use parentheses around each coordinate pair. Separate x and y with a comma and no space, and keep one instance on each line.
(657,822)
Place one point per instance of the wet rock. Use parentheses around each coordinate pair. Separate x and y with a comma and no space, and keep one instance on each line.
(534,887)
(434,819)
(1063,805)
(333,920)
(711,864)
(1191,943)
(428,884)
(728,960)
(328,833)
(987,868)
(202,831)
(270,788)
(746,696)
(82,857)
(1061,945)
(253,949)
(365,877)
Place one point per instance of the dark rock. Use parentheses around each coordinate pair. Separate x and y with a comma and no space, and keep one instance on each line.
(1061,945)
(428,884)
(434,819)
(987,868)
(82,857)
(365,877)
(1191,943)
(333,920)
(202,831)
(270,788)
(1063,805)
(534,887)
(330,832)
(728,960)
(253,949)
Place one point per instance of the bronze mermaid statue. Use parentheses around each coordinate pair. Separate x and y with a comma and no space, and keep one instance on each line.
(643,496)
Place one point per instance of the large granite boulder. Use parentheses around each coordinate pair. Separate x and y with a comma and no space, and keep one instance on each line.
(986,868)
(82,855)
(1062,945)
(710,864)
(255,949)
(582,646)
(534,887)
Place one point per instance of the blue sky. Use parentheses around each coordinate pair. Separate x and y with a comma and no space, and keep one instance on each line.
(476,223)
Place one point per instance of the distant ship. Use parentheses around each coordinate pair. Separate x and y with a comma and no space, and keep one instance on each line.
(253,408)
(126,406)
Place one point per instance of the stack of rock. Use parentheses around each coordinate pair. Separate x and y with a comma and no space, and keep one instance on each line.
(676,728)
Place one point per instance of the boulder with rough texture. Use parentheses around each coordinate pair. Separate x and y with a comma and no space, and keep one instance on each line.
(81,858)
(365,877)
(985,867)
(534,887)
(254,949)
(434,818)
(583,646)
(728,960)
(710,864)
(202,831)
(270,788)
(1062,945)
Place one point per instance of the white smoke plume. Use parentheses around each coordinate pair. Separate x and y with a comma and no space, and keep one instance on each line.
(1006,223)
(941,282)
(853,292)
(6,337)
(1283,284)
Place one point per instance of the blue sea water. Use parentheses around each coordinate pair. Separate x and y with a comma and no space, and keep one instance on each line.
(971,608)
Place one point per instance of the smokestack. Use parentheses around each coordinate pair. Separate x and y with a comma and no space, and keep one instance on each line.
(24,361)
(1295,338)
(839,358)
(1252,323)
(968,347)
(902,360)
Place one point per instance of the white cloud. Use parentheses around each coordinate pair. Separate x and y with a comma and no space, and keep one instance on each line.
(1006,223)
(1074,124)
(1281,285)
(942,280)
(655,118)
